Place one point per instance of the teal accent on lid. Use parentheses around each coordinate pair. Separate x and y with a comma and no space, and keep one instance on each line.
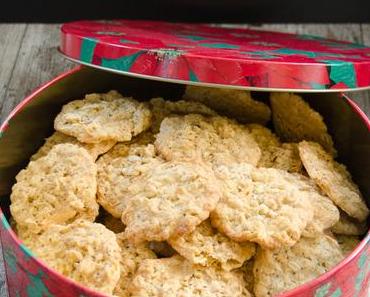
(192,76)
(342,72)
(193,37)
(123,63)
(87,50)
(219,45)
(5,222)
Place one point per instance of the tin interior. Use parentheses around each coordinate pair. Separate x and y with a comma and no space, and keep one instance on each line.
(26,131)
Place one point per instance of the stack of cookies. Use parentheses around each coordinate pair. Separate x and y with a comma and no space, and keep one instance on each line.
(194,197)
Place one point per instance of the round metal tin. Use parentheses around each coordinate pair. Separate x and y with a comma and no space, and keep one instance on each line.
(205,54)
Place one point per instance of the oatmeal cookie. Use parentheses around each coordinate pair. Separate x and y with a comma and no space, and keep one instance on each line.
(334,179)
(171,200)
(163,108)
(131,257)
(276,271)
(294,120)
(205,246)
(118,171)
(94,149)
(56,189)
(236,104)
(217,140)
(177,277)
(260,205)
(103,117)
(83,251)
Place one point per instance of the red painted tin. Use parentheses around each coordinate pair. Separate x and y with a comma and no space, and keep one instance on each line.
(32,120)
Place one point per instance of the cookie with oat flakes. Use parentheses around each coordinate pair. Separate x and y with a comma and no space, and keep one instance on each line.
(83,251)
(276,271)
(206,246)
(55,189)
(333,179)
(118,171)
(177,277)
(163,108)
(94,149)
(216,140)
(260,205)
(103,117)
(294,120)
(171,199)
(237,104)
(131,257)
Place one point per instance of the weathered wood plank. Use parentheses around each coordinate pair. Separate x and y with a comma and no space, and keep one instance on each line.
(38,61)
(11,36)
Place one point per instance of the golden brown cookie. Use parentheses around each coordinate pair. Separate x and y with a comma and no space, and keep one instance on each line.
(261,205)
(286,157)
(276,271)
(171,200)
(348,226)
(294,120)
(176,277)
(103,117)
(217,140)
(326,214)
(347,243)
(83,251)
(94,149)
(205,246)
(131,257)
(267,142)
(232,103)
(118,171)
(163,108)
(56,189)
(334,179)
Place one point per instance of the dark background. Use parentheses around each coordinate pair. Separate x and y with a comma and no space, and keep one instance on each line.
(244,11)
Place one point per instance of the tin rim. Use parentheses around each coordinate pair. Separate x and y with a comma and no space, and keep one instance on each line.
(291,293)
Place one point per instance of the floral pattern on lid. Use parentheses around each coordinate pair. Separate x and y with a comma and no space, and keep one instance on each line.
(203,53)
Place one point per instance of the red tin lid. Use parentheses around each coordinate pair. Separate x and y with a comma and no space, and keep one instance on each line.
(208,55)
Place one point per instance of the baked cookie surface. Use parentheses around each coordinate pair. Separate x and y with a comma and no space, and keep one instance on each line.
(178,278)
(94,149)
(102,117)
(260,205)
(83,251)
(171,200)
(163,108)
(294,120)
(131,257)
(56,189)
(236,104)
(288,267)
(206,246)
(334,179)
(216,140)
(119,171)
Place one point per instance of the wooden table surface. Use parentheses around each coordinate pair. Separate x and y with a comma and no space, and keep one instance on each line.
(29,58)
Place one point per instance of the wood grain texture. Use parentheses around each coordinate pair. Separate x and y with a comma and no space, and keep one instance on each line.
(29,57)
(11,36)
(38,61)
